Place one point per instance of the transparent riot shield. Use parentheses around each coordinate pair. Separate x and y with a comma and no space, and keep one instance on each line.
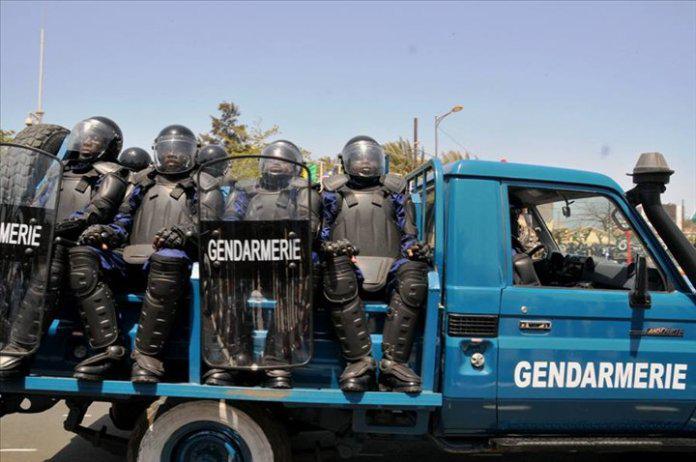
(28,204)
(255,266)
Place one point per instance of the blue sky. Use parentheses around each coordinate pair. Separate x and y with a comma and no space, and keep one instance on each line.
(581,85)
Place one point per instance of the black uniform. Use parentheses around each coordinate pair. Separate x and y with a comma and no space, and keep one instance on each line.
(156,223)
(369,214)
(93,186)
(280,194)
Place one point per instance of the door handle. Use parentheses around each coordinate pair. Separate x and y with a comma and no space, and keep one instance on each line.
(535,325)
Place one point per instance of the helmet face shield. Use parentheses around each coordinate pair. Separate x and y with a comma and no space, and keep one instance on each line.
(364,159)
(89,140)
(175,155)
(281,165)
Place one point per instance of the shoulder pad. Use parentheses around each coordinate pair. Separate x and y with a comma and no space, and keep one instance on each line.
(298,182)
(248,185)
(141,176)
(394,183)
(334,182)
(206,181)
(107,167)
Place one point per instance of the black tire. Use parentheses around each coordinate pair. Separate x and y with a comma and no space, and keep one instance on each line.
(264,438)
(16,177)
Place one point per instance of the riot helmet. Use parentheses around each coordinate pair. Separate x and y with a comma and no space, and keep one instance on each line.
(96,138)
(273,170)
(210,153)
(363,157)
(175,150)
(134,159)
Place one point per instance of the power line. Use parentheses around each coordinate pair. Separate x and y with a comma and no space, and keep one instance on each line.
(453,140)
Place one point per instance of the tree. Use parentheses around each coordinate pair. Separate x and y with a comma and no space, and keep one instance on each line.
(401,156)
(6,136)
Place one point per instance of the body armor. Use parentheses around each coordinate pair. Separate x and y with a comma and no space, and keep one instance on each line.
(77,189)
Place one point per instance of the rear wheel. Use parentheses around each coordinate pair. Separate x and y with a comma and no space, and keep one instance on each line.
(16,177)
(208,431)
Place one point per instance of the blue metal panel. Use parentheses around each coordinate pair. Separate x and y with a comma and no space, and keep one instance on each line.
(473,284)
(513,171)
(194,347)
(305,396)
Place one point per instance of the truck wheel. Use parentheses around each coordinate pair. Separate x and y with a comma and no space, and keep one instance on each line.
(17,176)
(196,431)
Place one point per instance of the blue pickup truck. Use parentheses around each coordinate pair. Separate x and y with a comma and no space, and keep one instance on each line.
(561,315)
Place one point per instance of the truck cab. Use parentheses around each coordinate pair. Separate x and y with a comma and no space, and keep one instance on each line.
(554,308)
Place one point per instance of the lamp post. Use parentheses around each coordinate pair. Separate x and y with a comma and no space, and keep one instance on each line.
(438,119)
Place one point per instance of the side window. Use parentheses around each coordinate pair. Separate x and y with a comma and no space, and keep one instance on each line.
(574,239)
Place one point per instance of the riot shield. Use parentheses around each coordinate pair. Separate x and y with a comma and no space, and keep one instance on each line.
(255,267)
(28,205)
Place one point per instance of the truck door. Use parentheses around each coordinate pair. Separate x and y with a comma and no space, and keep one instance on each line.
(573,353)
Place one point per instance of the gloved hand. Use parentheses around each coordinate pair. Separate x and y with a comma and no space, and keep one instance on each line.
(70,229)
(338,248)
(101,236)
(171,238)
(420,251)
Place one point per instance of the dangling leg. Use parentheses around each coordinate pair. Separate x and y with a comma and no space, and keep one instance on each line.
(98,312)
(34,315)
(400,326)
(169,273)
(275,352)
(350,322)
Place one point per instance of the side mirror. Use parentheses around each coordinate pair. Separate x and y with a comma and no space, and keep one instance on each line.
(639,297)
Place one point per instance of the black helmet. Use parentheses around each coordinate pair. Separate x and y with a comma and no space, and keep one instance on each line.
(175,149)
(363,157)
(94,138)
(134,159)
(210,153)
(285,150)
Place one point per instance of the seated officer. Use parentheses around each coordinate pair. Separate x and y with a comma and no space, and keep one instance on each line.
(279,194)
(155,224)
(367,211)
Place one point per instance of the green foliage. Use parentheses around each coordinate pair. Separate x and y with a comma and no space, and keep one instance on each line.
(402,159)
(6,136)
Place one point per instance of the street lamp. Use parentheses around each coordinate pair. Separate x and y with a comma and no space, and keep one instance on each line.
(438,119)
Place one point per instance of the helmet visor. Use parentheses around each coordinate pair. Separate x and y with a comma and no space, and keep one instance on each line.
(282,160)
(364,159)
(89,140)
(175,156)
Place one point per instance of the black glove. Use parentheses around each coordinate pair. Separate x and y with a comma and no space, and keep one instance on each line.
(171,238)
(420,251)
(70,229)
(101,236)
(338,248)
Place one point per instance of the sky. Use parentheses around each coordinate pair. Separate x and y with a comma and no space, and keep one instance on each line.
(586,85)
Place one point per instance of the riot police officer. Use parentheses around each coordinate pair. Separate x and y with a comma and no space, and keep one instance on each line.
(279,194)
(369,213)
(155,225)
(134,159)
(210,153)
(93,186)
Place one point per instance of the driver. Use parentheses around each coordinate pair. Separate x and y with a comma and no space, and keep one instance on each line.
(369,211)
(93,186)
(156,226)
(279,194)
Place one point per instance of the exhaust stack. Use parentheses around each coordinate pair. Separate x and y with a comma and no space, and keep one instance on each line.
(651,175)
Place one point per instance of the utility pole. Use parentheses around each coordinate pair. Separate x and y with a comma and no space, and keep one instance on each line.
(415,141)
(37,117)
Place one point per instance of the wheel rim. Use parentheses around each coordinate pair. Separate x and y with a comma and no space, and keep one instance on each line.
(206,442)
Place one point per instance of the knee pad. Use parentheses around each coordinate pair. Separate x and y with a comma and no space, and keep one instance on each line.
(84,274)
(167,274)
(340,282)
(412,283)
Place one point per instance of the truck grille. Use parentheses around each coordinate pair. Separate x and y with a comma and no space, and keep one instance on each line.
(472,325)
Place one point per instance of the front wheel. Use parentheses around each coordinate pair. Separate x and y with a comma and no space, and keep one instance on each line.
(207,431)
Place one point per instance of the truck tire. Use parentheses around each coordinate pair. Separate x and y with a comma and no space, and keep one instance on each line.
(17,177)
(208,430)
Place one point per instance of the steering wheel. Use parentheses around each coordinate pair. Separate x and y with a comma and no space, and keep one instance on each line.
(535,249)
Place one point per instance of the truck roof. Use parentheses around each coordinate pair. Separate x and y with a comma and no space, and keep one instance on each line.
(513,171)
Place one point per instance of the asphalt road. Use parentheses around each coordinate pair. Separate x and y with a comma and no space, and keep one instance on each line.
(40,437)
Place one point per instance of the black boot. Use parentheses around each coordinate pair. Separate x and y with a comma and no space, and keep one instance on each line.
(167,278)
(34,316)
(98,313)
(220,377)
(277,348)
(400,329)
(359,375)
